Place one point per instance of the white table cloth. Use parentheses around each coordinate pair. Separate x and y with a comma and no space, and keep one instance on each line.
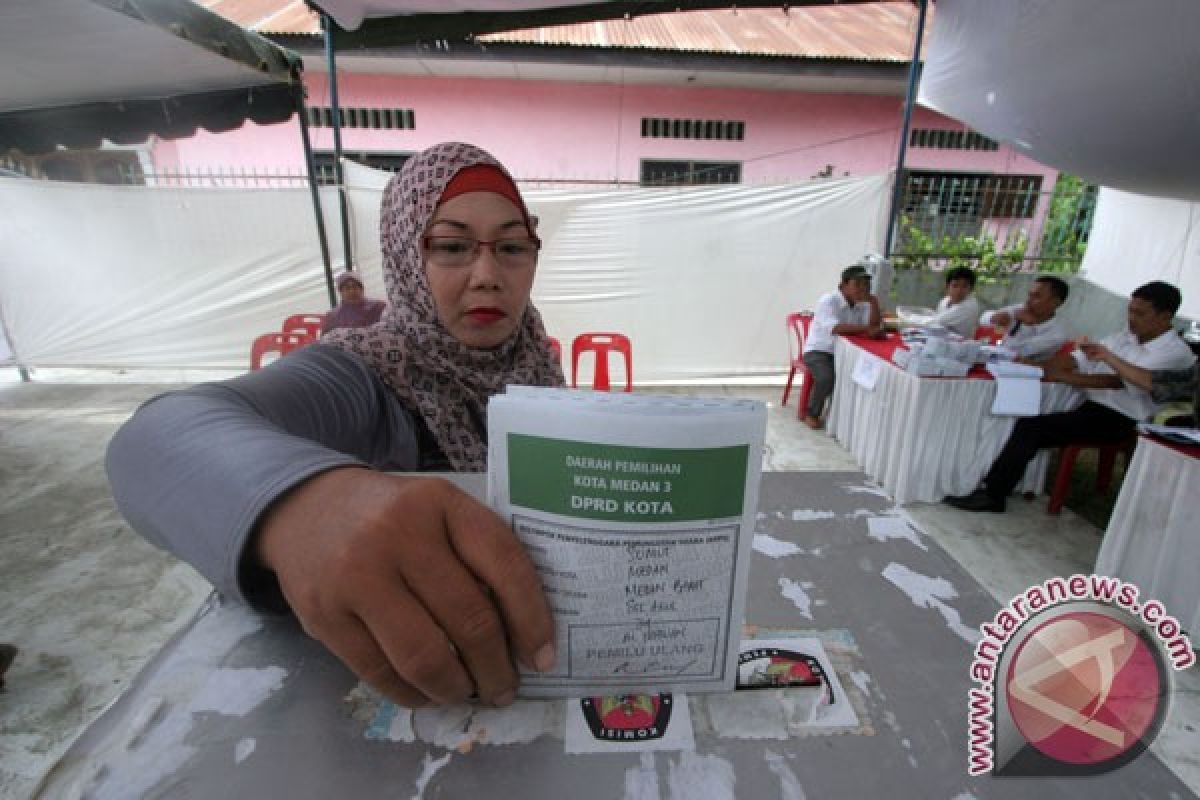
(1153,539)
(925,438)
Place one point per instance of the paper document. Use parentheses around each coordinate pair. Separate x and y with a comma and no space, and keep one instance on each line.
(997,354)
(866,372)
(638,512)
(1018,389)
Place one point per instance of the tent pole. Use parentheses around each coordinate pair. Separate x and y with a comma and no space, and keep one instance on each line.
(914,70)
(310,168)
(331,60)
(22,370)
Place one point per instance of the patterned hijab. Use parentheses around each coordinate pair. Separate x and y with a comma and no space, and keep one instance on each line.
(435,376)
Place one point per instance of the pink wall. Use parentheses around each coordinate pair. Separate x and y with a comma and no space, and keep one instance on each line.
(592,132)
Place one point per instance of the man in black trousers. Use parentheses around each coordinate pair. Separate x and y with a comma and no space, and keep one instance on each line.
(1112,407)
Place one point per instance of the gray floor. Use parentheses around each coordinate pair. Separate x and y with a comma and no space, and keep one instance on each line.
(88,602)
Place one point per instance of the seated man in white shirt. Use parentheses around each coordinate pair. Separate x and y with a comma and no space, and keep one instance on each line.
(1032,330)
(851,310)
(1113,406)
(958,311)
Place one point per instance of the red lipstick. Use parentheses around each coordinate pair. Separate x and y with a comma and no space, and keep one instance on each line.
(485,315)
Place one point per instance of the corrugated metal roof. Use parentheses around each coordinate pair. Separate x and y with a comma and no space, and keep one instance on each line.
(862,32)
(874,32)
(267,16)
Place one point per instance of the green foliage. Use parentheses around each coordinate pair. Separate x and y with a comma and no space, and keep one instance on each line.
(989,259)
(1060,247)
(1068,223)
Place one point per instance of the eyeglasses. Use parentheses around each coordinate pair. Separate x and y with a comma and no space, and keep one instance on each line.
(461,251)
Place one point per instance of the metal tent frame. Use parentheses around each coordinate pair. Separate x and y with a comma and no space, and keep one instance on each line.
(377,23)
(78,72)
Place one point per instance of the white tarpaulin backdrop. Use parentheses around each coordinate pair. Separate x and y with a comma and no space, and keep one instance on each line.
(127,276)
(700,279)
(1104,89)
(1136,239)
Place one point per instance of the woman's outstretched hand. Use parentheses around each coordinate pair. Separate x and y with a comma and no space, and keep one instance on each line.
(420,589)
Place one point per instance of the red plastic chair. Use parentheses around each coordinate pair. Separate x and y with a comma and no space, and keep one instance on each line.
(282,343)
(602,344)
(555,347)
(797,326)
(1104,475)
(309,323)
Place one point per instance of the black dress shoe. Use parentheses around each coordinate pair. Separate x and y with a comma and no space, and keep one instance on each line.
(7,654)
(978,500)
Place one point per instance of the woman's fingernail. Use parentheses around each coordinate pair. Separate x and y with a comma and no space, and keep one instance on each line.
(544,659)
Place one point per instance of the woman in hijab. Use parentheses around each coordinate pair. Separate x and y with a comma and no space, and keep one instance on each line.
(273,485)
(355,310)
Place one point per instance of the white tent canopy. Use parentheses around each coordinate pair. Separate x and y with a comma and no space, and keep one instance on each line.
(1105,89)
(76,72)
(1136,239)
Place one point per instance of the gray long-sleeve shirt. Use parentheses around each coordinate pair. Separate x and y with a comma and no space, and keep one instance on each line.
(193,470)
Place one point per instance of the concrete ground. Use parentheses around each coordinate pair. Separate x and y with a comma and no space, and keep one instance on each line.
(88,602)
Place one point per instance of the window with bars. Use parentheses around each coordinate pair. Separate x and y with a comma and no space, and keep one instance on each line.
(666,128)
(950,140)
(374,118)
(1012,196)
(959,203)
(690,173)
(967,194)
(326,176)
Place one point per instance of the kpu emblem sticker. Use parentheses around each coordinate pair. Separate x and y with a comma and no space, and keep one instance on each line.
(776,668)
(798,667)
(628,717)
(625,722)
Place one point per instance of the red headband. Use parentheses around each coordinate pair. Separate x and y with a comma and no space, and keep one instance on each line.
(483,178)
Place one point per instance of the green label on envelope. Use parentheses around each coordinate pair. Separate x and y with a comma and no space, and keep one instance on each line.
(626,484)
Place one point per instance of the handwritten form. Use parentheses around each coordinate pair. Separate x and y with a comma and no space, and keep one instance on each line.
(638,512)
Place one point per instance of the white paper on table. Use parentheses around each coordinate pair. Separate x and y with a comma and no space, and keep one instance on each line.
(936,346)
(638,512)
(629,723)
(924,365)
(1179,435)
(997,353)
(1018,389)
(949,368)
(1011,369)
(866,372)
